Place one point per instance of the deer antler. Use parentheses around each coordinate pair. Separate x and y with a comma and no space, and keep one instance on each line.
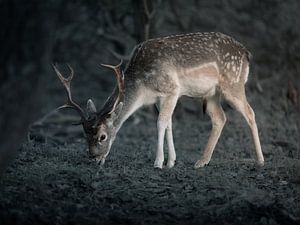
(120,79)
(67,85)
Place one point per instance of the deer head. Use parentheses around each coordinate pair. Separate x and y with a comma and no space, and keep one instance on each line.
(99,127)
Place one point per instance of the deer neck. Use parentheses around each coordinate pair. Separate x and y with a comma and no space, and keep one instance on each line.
(131,103)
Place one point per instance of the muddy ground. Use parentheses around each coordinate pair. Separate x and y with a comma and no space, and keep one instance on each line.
(52,181)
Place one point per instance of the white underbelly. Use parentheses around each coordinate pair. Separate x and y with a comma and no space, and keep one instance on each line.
(199,81)
(203,87)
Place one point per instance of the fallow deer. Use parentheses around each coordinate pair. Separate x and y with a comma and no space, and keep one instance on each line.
(203,65)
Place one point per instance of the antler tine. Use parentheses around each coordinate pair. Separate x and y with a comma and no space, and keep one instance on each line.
(67,85)
(119,75)
(112,66)
(72,73)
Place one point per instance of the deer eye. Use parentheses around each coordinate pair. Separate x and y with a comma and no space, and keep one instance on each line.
(102,137)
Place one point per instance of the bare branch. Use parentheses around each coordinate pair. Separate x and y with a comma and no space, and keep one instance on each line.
(149,14)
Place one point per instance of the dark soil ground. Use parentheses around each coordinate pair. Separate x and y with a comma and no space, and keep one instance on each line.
(52,181)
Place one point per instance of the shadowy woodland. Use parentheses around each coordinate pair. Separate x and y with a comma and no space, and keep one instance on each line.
(46,176)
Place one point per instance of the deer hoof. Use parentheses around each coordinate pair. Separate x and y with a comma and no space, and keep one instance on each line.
(171,164)
(158,164)
(260,162)
(201,163)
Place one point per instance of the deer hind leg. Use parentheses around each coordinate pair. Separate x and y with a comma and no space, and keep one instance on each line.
(241,105)
(218,119)
(167,106)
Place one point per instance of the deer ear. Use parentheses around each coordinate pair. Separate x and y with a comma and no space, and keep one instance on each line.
(90,107)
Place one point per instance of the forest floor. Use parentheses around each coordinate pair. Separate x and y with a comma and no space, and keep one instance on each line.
(52,181)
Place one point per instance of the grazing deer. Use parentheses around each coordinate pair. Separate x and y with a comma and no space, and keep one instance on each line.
(202,65)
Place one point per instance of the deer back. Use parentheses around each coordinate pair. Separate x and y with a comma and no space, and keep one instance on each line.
(188,51)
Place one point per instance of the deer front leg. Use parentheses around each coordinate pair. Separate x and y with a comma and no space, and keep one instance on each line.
(167,105)
(171,148)
(218,119)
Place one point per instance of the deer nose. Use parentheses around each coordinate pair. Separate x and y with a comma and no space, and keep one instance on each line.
(92,155)
(93,152)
